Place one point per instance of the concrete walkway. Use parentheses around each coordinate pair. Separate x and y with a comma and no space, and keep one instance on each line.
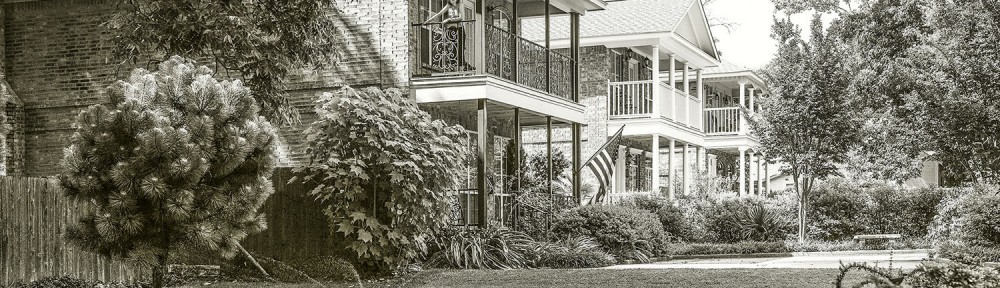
(906,259)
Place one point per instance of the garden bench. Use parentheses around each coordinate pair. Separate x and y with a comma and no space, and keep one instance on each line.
(881,239)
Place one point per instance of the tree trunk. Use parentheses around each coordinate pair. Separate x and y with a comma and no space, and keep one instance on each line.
(802,219)
(160,271)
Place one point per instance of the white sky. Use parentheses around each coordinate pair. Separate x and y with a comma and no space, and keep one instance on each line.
(749,42)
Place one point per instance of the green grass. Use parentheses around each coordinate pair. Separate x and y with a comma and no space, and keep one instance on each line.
(686,278)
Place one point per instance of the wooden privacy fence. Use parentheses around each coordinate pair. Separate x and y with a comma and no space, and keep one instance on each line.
(34,216)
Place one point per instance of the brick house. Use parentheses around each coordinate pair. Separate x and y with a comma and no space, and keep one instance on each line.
(632,52)
(477,72)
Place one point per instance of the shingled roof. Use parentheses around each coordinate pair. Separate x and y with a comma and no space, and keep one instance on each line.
(727,67)
(619,18)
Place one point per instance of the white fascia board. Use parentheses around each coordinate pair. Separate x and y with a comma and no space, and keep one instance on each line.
(754,79)
(579,6)
(613,41)
(689,52)
(464,88)
(665,128)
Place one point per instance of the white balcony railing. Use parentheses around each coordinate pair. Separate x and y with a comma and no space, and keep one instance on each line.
(725,120)
(634,99)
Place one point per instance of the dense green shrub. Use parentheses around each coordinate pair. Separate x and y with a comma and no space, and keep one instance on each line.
(492,248)
(952,274)
(727,248)
(673,218)
(968,254)
(841,210)
(626,232)
(834,212)
(533,213)
(966,227)
(983,221)
(576,252)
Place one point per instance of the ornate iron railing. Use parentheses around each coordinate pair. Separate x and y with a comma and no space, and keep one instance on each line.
(449,49)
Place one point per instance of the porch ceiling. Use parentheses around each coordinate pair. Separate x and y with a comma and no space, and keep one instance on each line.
(532,8)
(494,110)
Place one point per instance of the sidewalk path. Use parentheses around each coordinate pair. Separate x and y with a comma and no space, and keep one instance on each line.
(906,259)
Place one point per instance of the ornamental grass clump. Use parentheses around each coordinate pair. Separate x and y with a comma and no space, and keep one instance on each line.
(491,248)
(177,158)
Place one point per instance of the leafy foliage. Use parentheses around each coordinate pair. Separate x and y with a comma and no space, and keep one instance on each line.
(746,247)
(951,274)
(627,233)
(806,121)
(260,40)
(69,282)
(736,220)
(177,158)
(383,169)
(492,248)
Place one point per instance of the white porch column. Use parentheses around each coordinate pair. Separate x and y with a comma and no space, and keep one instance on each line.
(743,94)
(753,175)
(656,82)
(767,176)
(670,170)
(761,173)
(741,166)
(701,97)
(753,107)
(656,163)
(620,170)
(672,74)
(686,169)
(687,93)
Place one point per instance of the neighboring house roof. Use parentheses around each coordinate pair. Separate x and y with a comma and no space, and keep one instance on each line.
(618,18)
(727,67)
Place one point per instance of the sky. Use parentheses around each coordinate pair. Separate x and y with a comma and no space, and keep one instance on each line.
(749,42)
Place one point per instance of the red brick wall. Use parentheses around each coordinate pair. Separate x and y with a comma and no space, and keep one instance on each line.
(58,63)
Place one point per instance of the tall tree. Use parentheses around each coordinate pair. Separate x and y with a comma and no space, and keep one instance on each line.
(806,121)
(959,63)
(878,35)
(261,40)
(176,159)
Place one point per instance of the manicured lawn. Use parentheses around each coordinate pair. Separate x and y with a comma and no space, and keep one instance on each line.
(687,278)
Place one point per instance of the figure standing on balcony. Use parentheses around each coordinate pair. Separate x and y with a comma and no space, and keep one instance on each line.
(452,12)
(447,51)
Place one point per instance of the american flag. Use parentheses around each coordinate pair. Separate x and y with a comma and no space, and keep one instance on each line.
(603,164)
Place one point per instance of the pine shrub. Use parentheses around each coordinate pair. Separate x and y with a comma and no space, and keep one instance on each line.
(177,158)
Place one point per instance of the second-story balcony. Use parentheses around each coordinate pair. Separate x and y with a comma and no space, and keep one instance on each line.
(449,50)
(634,100)
(725,121)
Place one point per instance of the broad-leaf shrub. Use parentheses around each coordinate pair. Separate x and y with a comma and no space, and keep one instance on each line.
(384,170)
(968,254)
(177,158)
(492,248)
(625,232)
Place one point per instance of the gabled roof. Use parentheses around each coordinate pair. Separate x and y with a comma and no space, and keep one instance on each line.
(618,18)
